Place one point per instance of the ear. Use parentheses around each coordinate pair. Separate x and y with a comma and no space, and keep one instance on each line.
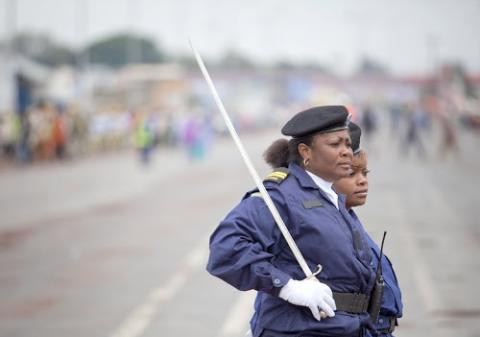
(304,150)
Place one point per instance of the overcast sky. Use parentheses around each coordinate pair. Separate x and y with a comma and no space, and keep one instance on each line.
(405,35)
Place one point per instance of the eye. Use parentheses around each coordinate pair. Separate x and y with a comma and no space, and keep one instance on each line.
(366,172)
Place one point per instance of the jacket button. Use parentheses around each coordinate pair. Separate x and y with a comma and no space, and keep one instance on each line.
(276,281)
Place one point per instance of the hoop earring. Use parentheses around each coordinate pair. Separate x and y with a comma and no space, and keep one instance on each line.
(306,162)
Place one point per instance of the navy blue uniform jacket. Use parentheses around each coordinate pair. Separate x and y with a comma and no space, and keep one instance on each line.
(392,298)
(248,251)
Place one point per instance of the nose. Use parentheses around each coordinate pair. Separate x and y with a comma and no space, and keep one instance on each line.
(362,180)
(346,151)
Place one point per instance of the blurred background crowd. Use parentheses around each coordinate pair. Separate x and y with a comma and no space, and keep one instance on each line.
(59,102)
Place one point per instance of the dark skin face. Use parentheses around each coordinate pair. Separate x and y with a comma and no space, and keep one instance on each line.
(355,186)
(329,156)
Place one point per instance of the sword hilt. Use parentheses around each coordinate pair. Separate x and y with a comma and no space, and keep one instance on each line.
(316,272)
(313,275)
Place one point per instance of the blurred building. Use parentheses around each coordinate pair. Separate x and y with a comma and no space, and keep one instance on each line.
(161,87)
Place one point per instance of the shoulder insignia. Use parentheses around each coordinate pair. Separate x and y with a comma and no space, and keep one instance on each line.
(278,175)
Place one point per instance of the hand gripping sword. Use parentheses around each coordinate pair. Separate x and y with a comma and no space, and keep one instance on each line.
(258,182)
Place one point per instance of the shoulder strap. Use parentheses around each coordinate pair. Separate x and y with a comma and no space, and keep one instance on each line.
(278,175)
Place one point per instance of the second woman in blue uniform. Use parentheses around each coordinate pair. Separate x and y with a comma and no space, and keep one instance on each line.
(355,188)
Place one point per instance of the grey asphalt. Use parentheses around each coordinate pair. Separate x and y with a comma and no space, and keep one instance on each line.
(102,246)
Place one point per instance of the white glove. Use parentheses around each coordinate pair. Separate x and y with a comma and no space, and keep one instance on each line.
(309,293)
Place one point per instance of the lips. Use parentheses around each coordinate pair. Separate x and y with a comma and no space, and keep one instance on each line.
(345,164)
(361,193)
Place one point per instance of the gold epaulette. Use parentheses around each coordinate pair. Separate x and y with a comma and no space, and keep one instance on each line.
(278,175)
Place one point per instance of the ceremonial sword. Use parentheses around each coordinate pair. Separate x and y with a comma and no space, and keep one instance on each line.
(258,182)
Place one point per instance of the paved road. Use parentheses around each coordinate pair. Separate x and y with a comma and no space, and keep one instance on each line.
(105,247)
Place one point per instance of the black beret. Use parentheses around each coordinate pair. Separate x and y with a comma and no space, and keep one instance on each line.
(355,134)
(316,120)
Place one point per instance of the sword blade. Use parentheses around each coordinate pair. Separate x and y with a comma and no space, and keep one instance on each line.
(258,182)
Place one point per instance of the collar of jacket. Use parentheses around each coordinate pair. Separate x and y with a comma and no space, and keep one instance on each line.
(306,181)
(302,176)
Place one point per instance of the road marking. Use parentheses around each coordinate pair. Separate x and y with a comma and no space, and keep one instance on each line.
(140,318)
(236,323)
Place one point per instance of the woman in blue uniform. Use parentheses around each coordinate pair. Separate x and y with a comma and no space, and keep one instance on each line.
(248,251)
(355,188)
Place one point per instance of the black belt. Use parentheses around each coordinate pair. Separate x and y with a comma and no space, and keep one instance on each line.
(351,302)
(392,321)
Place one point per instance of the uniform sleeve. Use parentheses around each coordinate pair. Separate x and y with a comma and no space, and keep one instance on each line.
(241,246)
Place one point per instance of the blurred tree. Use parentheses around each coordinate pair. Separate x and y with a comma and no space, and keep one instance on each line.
(43,49)
(316,67)
(284,65)
(233,59)
(369,66)
(116,51)
(187,61)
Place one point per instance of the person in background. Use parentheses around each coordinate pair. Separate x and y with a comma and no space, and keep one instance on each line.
(355,189)
(413,137)
(369,123)
(143,138)
(248,251)
(59,133)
